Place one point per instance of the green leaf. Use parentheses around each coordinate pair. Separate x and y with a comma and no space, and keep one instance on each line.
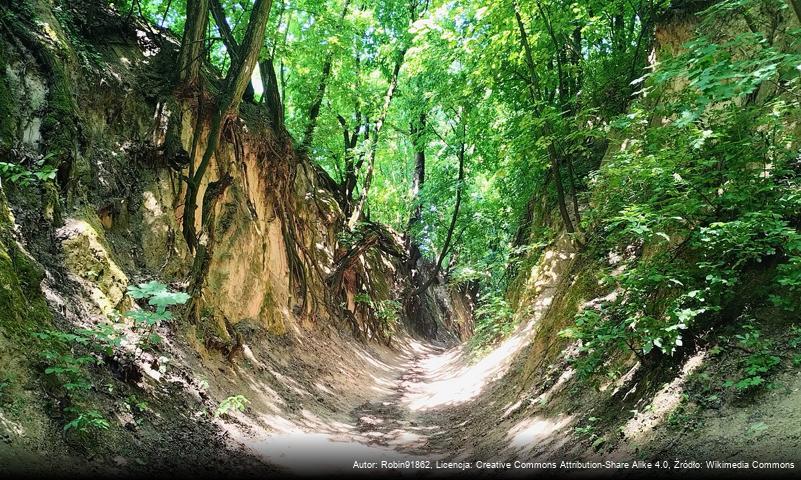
(166,299)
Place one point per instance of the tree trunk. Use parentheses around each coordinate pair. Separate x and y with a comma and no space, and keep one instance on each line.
(231,45)
(534,84)
(393,85)
(446,246)
(560,189)
(351,164)
(236,81)
(558,48)
(418,138)
(314,109)
(227,35)
(368,178)
(575,59)
(271,96)
(553,155)
(349,141)
(191,53)
(573,193)
(166,11)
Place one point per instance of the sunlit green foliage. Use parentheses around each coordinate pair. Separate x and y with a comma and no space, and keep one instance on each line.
(236,403)
(465,70)
(493,320)
(146,322)
(69,356)
(85,421)
(39,171)
(703,180)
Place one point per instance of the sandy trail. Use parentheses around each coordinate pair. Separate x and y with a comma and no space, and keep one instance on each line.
(414,420)
(381,428)
(412,403)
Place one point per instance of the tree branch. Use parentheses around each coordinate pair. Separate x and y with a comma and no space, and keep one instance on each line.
(446,246)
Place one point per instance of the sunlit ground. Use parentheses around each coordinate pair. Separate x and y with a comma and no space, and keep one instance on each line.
(417,399)
(395,397)
(425,378)
(664,402)
(448,379)
(536,431)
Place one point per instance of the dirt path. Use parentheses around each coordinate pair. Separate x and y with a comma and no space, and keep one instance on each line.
(383,428)
(422,417)
(421,401)
(390,422)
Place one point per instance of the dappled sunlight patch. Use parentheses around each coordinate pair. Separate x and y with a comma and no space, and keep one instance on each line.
(381,385)
(406,438)
(316,421)
(664,402)
(543,278)
(511,408)
(279,423)
(438,365)
(557,387)
(536,431)
(373,361)
(11,426)
(296,330)
(267,396)
(248,354)
(449,383)
(288,382)
(87,257)
(624,380)
(153,207)
(370,420)
(319,386)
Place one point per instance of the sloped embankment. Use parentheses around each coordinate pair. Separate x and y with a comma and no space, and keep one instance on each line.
(283,326)
(728,391)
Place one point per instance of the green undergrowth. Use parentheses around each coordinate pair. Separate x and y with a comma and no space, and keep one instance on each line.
(701,199)
(748,360)
(500,310)
(494,320)
(75,360)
